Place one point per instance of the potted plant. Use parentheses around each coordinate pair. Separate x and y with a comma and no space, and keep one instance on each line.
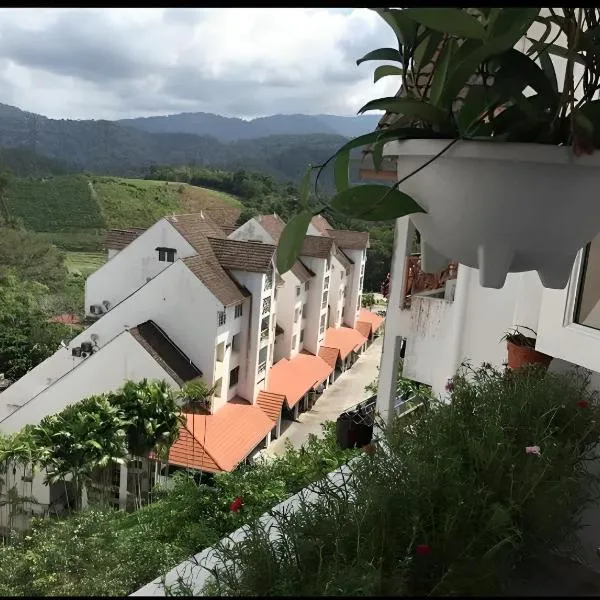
(521,349)
(495,126)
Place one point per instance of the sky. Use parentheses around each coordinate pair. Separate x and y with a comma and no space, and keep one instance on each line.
(111,63)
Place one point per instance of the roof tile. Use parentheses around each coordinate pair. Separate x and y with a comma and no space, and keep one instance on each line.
(272,224)
(329,355)
(316,246)
(301,271)
(320,222)
(253,257)
(374,320)
(350,240)
(363,328)
(219,442)
(343,258)
(117,239)
(345,339)
(223,216)
(270,404)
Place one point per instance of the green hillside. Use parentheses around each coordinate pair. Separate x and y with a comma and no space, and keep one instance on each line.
(72,211)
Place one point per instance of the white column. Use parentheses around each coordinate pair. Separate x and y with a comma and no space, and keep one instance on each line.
(268,440)
(278,426)
(388,368)
(123,487)
(296,410)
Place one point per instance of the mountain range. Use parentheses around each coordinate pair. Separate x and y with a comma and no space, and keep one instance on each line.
(278,145)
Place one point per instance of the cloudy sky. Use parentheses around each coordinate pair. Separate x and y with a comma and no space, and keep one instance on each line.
(83,63)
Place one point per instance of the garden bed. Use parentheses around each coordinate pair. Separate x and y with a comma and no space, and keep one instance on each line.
(453,504)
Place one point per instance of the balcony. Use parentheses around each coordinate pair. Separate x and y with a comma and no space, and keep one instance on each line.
(268,281)
(417,282)
(266,305)
(262,367)
(264,335)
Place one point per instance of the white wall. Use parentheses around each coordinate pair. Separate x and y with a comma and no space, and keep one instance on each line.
(251,382)
(287,303)
(134,265)
(176,300)
(104,371)
(312,337)
(354,291)
(251,231)
(338,280)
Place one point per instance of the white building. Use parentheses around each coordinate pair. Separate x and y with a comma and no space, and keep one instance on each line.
(441,321)
(190,297)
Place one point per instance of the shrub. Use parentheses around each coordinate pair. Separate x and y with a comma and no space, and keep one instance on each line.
(447,505)
(109,552)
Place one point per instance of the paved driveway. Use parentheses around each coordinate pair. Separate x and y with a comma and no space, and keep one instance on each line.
(347,391)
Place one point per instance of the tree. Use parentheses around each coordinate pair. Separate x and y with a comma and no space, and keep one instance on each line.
(368,300)
(26,338)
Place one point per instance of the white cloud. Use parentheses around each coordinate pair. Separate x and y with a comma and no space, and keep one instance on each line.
(112,63)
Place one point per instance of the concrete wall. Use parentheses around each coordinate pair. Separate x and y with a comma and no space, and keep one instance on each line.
(337,285)
(354,291)
(133,266)
(251,231)
(104,371)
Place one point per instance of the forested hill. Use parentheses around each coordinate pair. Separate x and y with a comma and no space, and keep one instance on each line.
(125,149)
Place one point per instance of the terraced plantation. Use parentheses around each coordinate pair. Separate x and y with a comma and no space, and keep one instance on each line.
(73,211)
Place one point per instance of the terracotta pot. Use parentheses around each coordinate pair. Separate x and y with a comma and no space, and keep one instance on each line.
(488,206)
(519,356)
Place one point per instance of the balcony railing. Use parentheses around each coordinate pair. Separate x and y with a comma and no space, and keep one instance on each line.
(262,367)
(266,305)
(264,334)
(416,281)
(268,281)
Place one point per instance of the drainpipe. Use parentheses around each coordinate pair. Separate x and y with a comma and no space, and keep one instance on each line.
(461,301)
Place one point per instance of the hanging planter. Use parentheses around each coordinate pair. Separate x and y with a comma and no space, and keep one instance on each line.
(503,207)
(496,158)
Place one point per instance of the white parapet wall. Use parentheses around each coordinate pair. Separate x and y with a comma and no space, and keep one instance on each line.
(196,572)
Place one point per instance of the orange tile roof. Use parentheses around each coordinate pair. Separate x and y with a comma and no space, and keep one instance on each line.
(293,378)
(270,404)
(65,319)
(345,339)
(329,355)
(375,320)
(363,328)
(220,441)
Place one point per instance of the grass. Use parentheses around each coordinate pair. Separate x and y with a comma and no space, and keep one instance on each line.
(450,505)
(84,263)
(73,211)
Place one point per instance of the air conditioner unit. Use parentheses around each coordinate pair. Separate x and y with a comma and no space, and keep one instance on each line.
(96,309)
(76,351)
(87,347)
(106,304)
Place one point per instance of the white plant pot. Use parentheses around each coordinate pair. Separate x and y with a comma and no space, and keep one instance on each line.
(502,207)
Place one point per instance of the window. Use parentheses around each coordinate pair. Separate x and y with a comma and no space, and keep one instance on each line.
(269,280)
(327,282)
(238,310)
(322,324)
(296,315)
(307,286)
(324,300)
(294,342)
(297,290)
(221,318)
(264,329)
(587,308)
(234,375)
(235,343)
(304,310)
(166,254)
(302,336)
(262,359)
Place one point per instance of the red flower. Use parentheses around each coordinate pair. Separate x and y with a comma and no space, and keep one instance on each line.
(236,504)
(423,549)
(583,403)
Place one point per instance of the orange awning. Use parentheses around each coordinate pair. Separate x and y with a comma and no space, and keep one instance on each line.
(293,378)
(219,442)
(366,316)
(329,355)
(345,339)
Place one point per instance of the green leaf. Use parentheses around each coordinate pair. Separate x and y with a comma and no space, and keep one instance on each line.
(424,53)
(305,188)
(341,169)
(519,22)
(404,28)
(473,107)
(292,238)
(558,51)
(548,68)
(583,125)
(406,106)
(452,21)
(377,153)
(386,71)
(373,202)
(440,73)
(381,54)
